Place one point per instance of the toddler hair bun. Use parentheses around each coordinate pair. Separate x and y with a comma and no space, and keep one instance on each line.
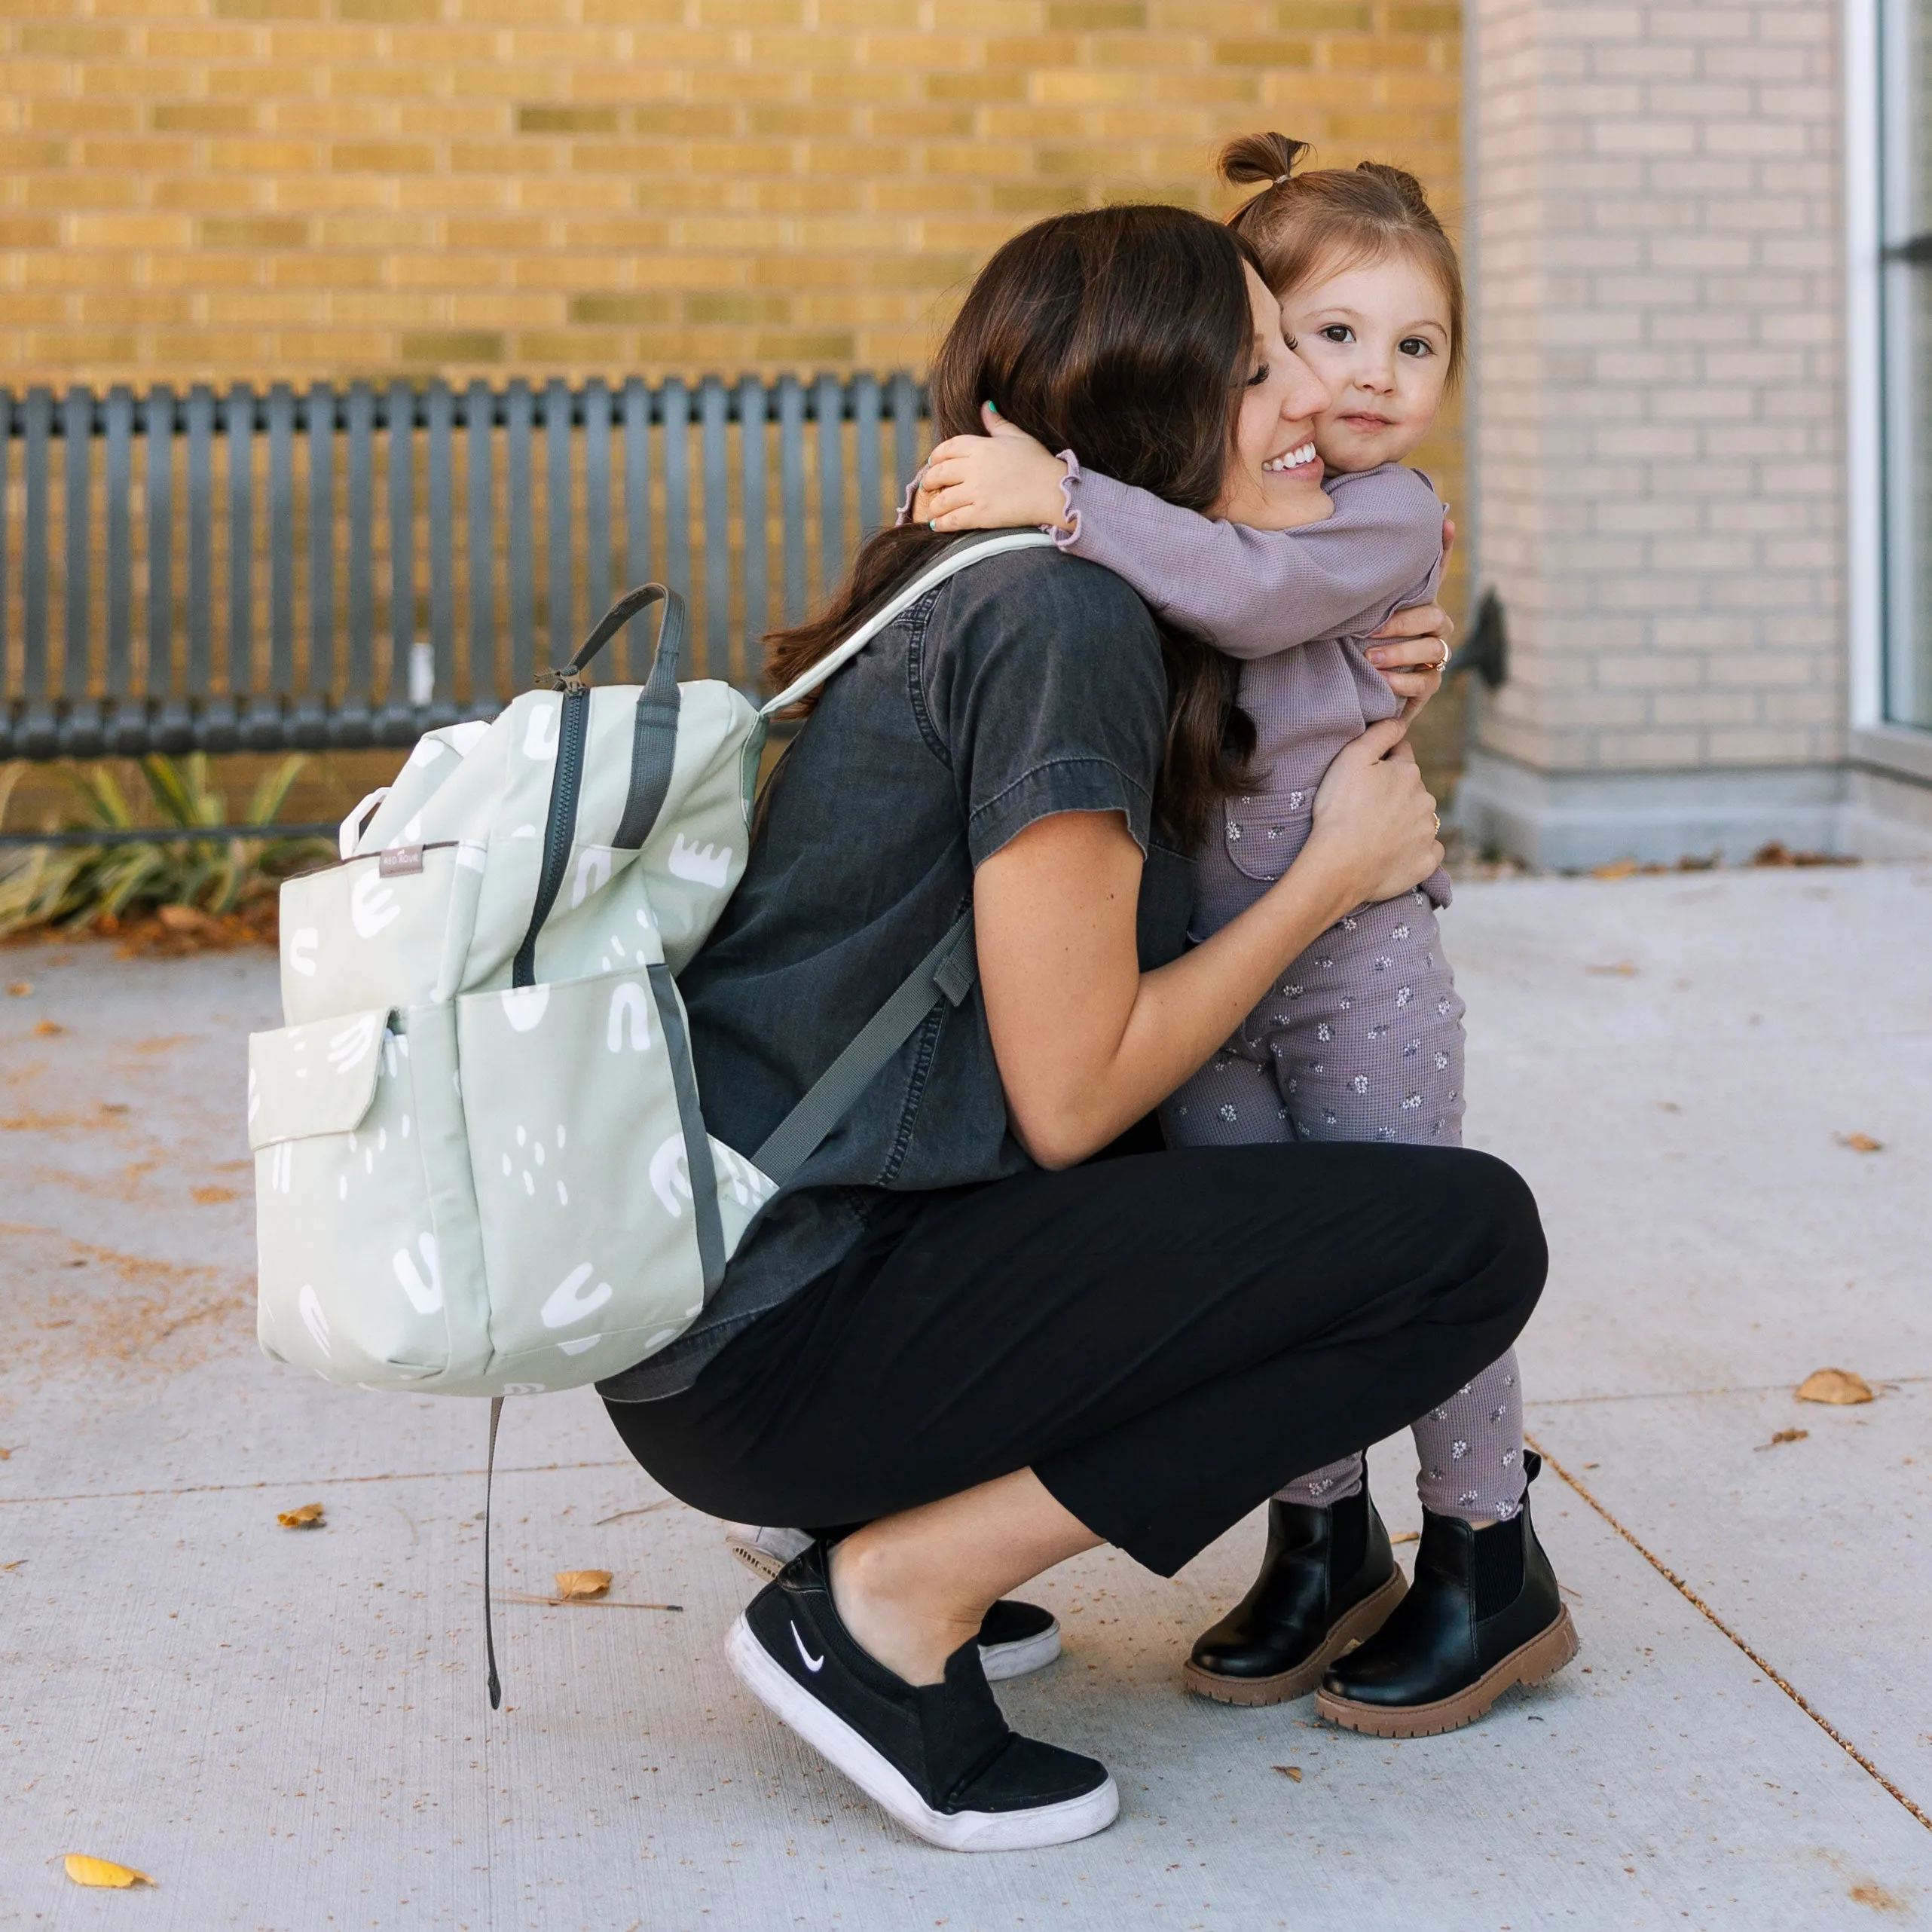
(1269,158)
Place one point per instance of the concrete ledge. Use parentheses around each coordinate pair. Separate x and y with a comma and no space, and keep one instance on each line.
(1569,820)
(1887,816)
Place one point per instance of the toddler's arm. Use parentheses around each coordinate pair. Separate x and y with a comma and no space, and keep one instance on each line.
(1253,592)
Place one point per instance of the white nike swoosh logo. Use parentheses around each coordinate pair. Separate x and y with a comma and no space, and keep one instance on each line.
(812,1663)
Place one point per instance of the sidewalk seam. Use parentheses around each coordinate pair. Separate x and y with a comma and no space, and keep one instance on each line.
(313,1482)
(1697,1604)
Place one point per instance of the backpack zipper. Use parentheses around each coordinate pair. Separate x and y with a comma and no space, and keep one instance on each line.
(559,833)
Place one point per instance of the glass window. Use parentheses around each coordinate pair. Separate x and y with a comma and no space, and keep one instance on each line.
(1905,173)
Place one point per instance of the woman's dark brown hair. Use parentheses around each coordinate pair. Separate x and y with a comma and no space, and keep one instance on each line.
(1123,334)
(1322,220)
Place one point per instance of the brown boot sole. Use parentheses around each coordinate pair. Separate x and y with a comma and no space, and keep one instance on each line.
(1362,1622)
(1545,1654)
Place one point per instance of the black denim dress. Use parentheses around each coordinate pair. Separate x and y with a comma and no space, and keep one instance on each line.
(1029,685)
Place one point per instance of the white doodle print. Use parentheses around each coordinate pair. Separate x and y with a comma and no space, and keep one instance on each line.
(540,735)
(313,1319)
(302,943)
(593,873)
(627,1000)
(523,1388)
(372,906)
(426,1297)
(749,1186)
(347,1048)
(702,865)
(579,1344)
(671,1175)
(523,1006)
(567,1302)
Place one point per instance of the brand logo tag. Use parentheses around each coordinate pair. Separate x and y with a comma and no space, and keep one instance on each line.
(397,860)
(812,1663)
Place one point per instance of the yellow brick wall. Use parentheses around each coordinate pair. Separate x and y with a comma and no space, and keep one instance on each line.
(217,188)
(286,189)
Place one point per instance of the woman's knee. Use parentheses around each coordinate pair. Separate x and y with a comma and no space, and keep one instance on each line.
(1507,1229)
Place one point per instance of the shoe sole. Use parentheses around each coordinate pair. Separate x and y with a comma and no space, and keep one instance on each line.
(836,1741)
(1532,1663)
(999,1661)
(1360,1623)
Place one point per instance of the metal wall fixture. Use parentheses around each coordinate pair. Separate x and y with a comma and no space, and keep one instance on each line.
(343,566)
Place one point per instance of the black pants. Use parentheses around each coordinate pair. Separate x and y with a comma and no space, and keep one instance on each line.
(1164,1340)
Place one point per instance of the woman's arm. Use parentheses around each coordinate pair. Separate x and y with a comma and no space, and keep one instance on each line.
(1086,1042)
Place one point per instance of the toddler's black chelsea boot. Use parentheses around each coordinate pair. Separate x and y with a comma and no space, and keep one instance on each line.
(1329,1578)
(1483,1614)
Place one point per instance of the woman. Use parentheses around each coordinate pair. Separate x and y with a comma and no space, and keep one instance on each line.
(957,1329)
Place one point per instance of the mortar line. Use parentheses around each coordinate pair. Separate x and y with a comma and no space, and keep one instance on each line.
(1724,1630)
(314,1482)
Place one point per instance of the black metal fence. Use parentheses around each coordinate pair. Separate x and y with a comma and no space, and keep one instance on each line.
(343,566)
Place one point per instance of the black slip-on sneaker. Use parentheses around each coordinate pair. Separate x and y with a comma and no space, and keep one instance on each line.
(940,1758)
(1015,1637)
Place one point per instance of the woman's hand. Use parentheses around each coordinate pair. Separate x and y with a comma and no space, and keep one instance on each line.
(1001,481)
(1086,1042)
(1375,825)
(1413,654)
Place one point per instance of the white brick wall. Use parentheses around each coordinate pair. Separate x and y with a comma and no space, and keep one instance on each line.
(1658,429)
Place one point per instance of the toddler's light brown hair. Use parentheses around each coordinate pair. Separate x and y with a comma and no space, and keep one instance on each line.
(1323,220)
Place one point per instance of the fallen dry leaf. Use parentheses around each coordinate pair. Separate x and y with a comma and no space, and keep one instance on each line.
(181,918)
(1616,868)
(21,988)
(47,1028)
(1623,969)
(208,1196)
(1837,1386)
(1786,1435)
(1293,1770)
(307,1517)
(1407,1537)
(1860,1143)
(86,1871)
(579,1586)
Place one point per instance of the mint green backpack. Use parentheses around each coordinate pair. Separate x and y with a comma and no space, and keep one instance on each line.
(481,1165)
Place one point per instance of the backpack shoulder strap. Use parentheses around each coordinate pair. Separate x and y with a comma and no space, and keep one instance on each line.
(955,560)
(948,972)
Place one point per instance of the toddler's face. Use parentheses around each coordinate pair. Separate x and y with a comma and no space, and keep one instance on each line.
(1377,335)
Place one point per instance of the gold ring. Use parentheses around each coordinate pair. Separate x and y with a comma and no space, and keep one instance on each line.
(1437,816)
(1442,662)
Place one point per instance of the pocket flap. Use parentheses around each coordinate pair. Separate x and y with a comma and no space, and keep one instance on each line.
(316,1079)
(1264,834)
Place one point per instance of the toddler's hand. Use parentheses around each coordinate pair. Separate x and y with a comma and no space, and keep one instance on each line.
(996,481)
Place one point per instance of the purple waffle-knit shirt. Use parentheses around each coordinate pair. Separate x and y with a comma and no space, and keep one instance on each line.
(1294,606)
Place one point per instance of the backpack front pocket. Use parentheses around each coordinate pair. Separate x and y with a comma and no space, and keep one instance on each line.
(352,1135)
(579,1149)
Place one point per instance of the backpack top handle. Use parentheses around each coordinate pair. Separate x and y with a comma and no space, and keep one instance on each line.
(670,648)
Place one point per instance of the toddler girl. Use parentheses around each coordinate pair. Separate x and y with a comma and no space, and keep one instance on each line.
(1362,1037)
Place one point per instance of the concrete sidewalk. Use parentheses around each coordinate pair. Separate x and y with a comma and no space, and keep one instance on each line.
(290,1730)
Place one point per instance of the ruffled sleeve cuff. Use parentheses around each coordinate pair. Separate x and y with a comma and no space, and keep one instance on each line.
(905,515)
(1065,539)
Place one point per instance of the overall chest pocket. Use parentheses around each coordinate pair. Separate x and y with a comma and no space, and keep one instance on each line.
(1262,833)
